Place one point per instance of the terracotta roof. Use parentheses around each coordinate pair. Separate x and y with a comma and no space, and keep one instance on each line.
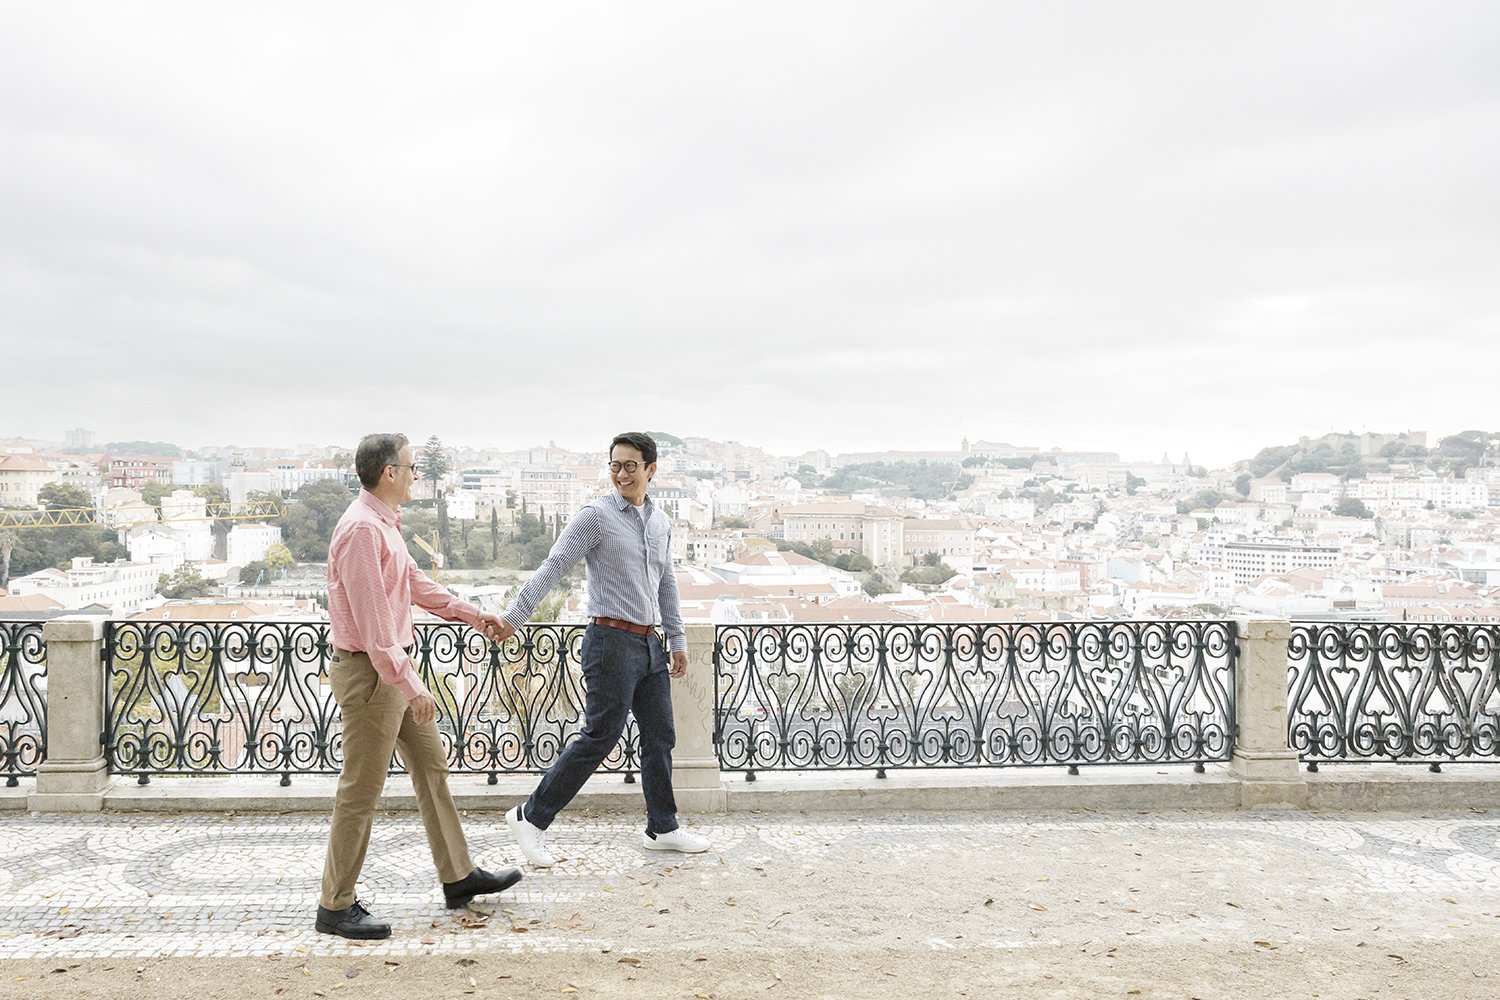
(23,463)
(28,602)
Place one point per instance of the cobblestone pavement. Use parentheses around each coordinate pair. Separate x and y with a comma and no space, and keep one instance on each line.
(113,885)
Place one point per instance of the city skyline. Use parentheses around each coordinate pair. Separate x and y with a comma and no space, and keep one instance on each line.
(1147,229)
(304,448)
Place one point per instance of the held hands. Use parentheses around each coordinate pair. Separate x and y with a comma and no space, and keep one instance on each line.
(679,665)
(494,628)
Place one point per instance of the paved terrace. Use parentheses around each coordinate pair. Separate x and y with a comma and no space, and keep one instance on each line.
(1067,903)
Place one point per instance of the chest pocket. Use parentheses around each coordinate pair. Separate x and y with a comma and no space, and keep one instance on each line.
(657,532)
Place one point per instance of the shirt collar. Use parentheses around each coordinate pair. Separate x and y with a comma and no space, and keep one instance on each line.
(381,509)
(622,503)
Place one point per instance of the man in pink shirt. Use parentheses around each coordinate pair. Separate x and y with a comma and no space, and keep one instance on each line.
(372,584)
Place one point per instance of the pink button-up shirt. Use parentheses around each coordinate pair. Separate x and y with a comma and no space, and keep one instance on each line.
(372,584)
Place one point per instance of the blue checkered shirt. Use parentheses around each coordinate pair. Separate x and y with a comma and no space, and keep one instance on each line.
(629,560)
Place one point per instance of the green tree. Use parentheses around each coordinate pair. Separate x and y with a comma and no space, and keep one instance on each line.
(253,573)
(8,541)
(1242,484)
(445,539)
(1352,507)
(37,549)
(929,576)
(278,559)
(63,496)
(1268,460)
(494,534)
(434,462)
(1204,499)
(310,521)
(154,449)
(183,584)
(874,585)
(156,491)
(1133,483)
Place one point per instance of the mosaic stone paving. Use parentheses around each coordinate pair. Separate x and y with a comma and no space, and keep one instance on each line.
(210,885)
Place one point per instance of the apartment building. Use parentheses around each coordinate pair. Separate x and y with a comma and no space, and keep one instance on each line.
(119,586)
(1251,559)
(875,533)
(949,540)
(21,478)
(134,472)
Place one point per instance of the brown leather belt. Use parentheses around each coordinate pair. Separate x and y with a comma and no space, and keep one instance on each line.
(623,625)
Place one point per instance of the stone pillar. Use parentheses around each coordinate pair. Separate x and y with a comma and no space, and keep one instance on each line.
(1264,761)
(695,767)
(73,777)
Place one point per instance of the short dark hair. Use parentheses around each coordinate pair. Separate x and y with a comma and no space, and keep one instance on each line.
(374,453)
(640,441)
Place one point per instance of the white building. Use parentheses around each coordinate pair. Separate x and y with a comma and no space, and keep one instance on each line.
(120,586)
(248,542)
(1249,560)
(21,478)
(790,574)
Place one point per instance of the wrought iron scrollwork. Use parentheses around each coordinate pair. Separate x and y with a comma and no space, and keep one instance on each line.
(861,696)
(254,698)
(1367,691)
(23,699)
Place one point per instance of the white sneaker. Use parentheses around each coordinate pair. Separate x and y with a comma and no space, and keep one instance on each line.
(678,840)
(530,839)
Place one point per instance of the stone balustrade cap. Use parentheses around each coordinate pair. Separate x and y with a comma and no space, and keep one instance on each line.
(73,628)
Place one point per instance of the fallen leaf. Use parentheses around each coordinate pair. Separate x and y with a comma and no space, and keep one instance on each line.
(629,960)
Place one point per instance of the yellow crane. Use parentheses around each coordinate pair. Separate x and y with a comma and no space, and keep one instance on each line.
(431,550)
(134,514)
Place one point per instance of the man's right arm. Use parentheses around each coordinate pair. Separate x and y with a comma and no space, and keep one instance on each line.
(581,535)
(370,607)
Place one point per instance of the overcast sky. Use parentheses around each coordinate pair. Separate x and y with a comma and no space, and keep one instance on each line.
(1141,227)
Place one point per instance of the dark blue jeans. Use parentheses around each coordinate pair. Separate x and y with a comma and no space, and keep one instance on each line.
(622,673)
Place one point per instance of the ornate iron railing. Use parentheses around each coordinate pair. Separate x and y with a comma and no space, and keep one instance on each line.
(1367,691)
(23,699)
(194,698)
(794,697)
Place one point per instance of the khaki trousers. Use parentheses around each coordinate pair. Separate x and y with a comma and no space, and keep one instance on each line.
(376,722)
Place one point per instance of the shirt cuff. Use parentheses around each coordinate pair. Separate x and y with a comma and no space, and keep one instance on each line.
(406,681)
(677,643)
(465,612)
(514,620)
(410,687)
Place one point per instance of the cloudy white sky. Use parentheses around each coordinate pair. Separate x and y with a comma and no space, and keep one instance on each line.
(1143,227)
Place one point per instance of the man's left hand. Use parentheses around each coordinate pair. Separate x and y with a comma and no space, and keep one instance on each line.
(679,665)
